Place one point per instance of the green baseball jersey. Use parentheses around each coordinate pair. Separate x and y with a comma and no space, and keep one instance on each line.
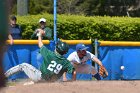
(54,65)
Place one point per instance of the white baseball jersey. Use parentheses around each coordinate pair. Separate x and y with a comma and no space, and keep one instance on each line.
(73,57)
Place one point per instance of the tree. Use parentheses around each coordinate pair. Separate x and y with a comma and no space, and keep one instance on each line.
(86,7)
(67,6)
(40,6)
(22,7)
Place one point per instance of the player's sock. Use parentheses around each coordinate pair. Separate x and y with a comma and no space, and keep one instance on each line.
(97,76)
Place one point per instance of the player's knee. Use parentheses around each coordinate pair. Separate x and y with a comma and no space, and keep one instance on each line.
(37,78)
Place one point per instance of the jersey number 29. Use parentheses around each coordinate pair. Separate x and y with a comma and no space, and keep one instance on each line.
(54,67)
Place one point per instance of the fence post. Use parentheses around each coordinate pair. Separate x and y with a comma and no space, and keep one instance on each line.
(55,20)
(96,52)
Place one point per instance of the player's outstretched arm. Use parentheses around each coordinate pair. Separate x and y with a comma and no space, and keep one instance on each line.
(40,43)
(64,76)
(74,75)
(95,59)
(102,71)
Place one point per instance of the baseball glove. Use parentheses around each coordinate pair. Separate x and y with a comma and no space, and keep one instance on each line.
(103,72)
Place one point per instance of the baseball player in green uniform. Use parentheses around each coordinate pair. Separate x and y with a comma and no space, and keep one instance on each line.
(52,67)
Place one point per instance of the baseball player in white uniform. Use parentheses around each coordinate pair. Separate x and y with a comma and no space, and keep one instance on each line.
(79,58)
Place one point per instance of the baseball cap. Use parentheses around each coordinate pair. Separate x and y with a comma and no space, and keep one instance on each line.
(81,47)
(13,17)
(42,20)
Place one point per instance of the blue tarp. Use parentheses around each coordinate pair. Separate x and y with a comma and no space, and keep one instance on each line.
(17,54)
(113,57)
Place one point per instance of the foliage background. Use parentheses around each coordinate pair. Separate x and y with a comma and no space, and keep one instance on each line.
(81,27)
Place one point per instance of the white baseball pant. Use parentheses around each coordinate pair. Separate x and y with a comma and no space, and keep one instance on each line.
(28,69)
(85,68)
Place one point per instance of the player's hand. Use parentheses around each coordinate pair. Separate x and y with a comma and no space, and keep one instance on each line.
(65,79)
(40,31)
(103,72)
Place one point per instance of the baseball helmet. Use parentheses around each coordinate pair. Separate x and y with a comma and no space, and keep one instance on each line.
(62,48)
(81,46)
